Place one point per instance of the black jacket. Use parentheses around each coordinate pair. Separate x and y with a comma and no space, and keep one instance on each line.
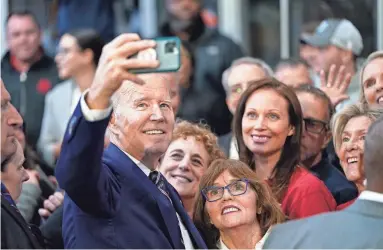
(28,91)
(15,232)
(205,98)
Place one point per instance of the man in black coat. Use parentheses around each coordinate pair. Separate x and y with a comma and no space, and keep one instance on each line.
(213,53)
(15,231)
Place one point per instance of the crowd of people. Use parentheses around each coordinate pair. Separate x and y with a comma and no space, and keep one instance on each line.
(227,152)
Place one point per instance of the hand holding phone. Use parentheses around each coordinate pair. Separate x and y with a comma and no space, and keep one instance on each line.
(167,51)
(115,67)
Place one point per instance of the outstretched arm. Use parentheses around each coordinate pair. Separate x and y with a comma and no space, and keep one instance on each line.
(80,171)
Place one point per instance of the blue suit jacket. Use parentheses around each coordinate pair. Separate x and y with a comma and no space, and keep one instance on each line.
(110,202)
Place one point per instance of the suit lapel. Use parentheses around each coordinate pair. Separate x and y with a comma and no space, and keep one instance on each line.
(194,234)
(20,220)
(125,165)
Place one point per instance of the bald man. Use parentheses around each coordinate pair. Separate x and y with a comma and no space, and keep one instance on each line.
(10,120)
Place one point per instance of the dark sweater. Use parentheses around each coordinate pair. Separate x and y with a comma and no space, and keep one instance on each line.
(342,189)
(28,91)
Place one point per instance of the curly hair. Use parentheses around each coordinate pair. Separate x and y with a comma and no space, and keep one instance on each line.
(268,210)
(201,132)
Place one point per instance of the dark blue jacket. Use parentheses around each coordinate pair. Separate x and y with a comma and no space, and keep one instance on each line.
(110,202)
(342,189)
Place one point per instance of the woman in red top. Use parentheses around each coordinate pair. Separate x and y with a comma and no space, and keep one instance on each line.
(268,126)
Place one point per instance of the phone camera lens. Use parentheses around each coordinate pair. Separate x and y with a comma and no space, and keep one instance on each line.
(170,47)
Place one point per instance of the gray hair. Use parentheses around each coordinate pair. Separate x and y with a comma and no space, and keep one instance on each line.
(245,61)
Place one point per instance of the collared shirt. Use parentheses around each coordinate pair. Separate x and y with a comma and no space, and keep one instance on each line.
(371,196)
(233,153)
(259,244)
(96,115)
(76,95)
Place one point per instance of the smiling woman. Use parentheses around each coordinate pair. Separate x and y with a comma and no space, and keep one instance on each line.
(371,78)
(192,149)
(235,209)
(268,127)
(349,128)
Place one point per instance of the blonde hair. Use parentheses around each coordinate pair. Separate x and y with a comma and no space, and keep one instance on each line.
(341,119)
(202,133)
(370,58)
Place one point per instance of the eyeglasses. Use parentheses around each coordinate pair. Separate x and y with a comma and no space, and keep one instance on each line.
(214,193)
(315,126)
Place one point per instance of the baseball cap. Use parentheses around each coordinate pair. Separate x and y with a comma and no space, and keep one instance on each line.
(338,32)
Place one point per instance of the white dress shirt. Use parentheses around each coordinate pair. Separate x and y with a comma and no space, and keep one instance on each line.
(76,95)
(258,246)
(371,196)
(93,115)
(233,153)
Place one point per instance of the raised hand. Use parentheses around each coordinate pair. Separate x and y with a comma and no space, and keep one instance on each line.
(336,84)
(114,66)
(51,204)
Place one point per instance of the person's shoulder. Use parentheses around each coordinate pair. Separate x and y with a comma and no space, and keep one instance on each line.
(225,137)
(219,38)
(309,223)
(293,234)
(303,177)
(59,88)
(305,182)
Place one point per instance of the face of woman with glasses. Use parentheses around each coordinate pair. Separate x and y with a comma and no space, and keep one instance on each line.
(265,122)
(351,148)
(70,59)
(231,208)
(183,165)
(315,135)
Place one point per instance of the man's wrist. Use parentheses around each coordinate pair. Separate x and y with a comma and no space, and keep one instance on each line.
(97,99)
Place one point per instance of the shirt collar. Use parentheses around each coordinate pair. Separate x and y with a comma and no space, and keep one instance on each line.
(371,196)
(144,168)
(259,244)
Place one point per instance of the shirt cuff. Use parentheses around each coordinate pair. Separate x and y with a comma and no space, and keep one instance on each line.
(93,115)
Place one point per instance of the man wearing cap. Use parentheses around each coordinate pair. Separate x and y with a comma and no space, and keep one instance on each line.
(336,42)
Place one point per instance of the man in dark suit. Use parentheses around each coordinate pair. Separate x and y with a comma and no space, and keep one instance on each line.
(15,231)
(358,226)
(114,197)
(235,81)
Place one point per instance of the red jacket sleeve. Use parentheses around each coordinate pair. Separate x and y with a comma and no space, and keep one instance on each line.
(307,196)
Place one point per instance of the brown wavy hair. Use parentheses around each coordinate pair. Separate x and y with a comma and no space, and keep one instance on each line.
(290,156)
(202,133)
(270,211)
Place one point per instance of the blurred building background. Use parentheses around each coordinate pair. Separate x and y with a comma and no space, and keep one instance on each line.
(268,29)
